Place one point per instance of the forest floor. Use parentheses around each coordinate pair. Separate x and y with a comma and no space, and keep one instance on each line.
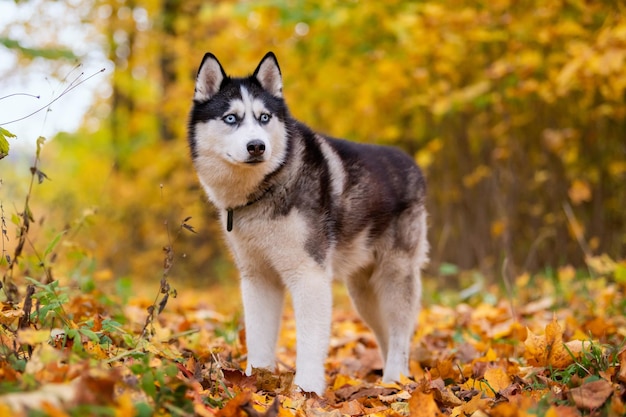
(552,345)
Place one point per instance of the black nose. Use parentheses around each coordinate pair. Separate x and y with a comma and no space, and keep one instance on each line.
(256,147)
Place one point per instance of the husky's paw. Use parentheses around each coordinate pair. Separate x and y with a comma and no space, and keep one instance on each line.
(393,374)
(308,383)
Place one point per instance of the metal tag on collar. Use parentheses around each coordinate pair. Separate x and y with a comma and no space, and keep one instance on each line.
(229,220)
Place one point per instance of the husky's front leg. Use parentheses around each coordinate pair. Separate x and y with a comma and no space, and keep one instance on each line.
(263,305)
(312,302)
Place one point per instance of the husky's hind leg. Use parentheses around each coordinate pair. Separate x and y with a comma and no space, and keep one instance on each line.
(399,304)
(388,298)
(365,301)
(398,284)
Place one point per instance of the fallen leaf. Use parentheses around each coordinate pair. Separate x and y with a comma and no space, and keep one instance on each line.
(423,405)
(97,386)
(272,411)
(236,378)
(470,407)
(53,394)
(563,411)
(7,317)
(32,336)
(269,381)
(352,408)
(445,397)
(592,395)
(549,350)
(505,409)
(54,410)
(554,345)
(233,408)
(343,380)
(497,379)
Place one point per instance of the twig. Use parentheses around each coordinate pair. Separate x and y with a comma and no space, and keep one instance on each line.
(165,290)
(576,228)
(70,87)
(19,94)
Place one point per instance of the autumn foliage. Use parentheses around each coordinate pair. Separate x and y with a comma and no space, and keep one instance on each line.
(515,111)
(85,348)
(115,295)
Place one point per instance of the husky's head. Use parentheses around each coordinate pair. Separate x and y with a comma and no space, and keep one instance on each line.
(238,122)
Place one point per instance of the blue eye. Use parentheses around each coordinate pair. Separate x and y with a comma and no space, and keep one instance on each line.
(264,118)
(230,119)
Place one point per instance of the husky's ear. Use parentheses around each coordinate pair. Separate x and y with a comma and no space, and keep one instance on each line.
(209,78)
(268,74)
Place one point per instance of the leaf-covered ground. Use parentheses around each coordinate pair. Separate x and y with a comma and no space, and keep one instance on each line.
(552,345)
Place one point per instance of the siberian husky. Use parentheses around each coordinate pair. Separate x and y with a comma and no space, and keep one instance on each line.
(299,209)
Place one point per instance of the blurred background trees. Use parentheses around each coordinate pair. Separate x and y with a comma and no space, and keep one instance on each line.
(516,112)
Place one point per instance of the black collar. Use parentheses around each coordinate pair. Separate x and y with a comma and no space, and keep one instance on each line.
(230,210)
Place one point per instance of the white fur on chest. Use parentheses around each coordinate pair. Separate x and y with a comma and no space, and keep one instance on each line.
(261,243)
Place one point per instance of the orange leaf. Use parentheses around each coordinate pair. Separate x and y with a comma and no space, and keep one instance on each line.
(579,192)
(53,410)
(505,410)
(470,407)
(562,411)
(233,408)
(352,408)
(558,357)
(549,350)
(497,379)
(423,405)
(535,352)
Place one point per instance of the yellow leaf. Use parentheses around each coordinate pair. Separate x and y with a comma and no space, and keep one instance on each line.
(42,355)
(96,350)
(552,412)
(566,273)
(491,355)
(497,228)
(601,264)
(199,410)
(125,406)
(7,317)
(343,380)
(497,379)
(617,168)
(480,173)
(470,407)
(426,156)
(505,409)
(579,192)
(103,275)
(32,336)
